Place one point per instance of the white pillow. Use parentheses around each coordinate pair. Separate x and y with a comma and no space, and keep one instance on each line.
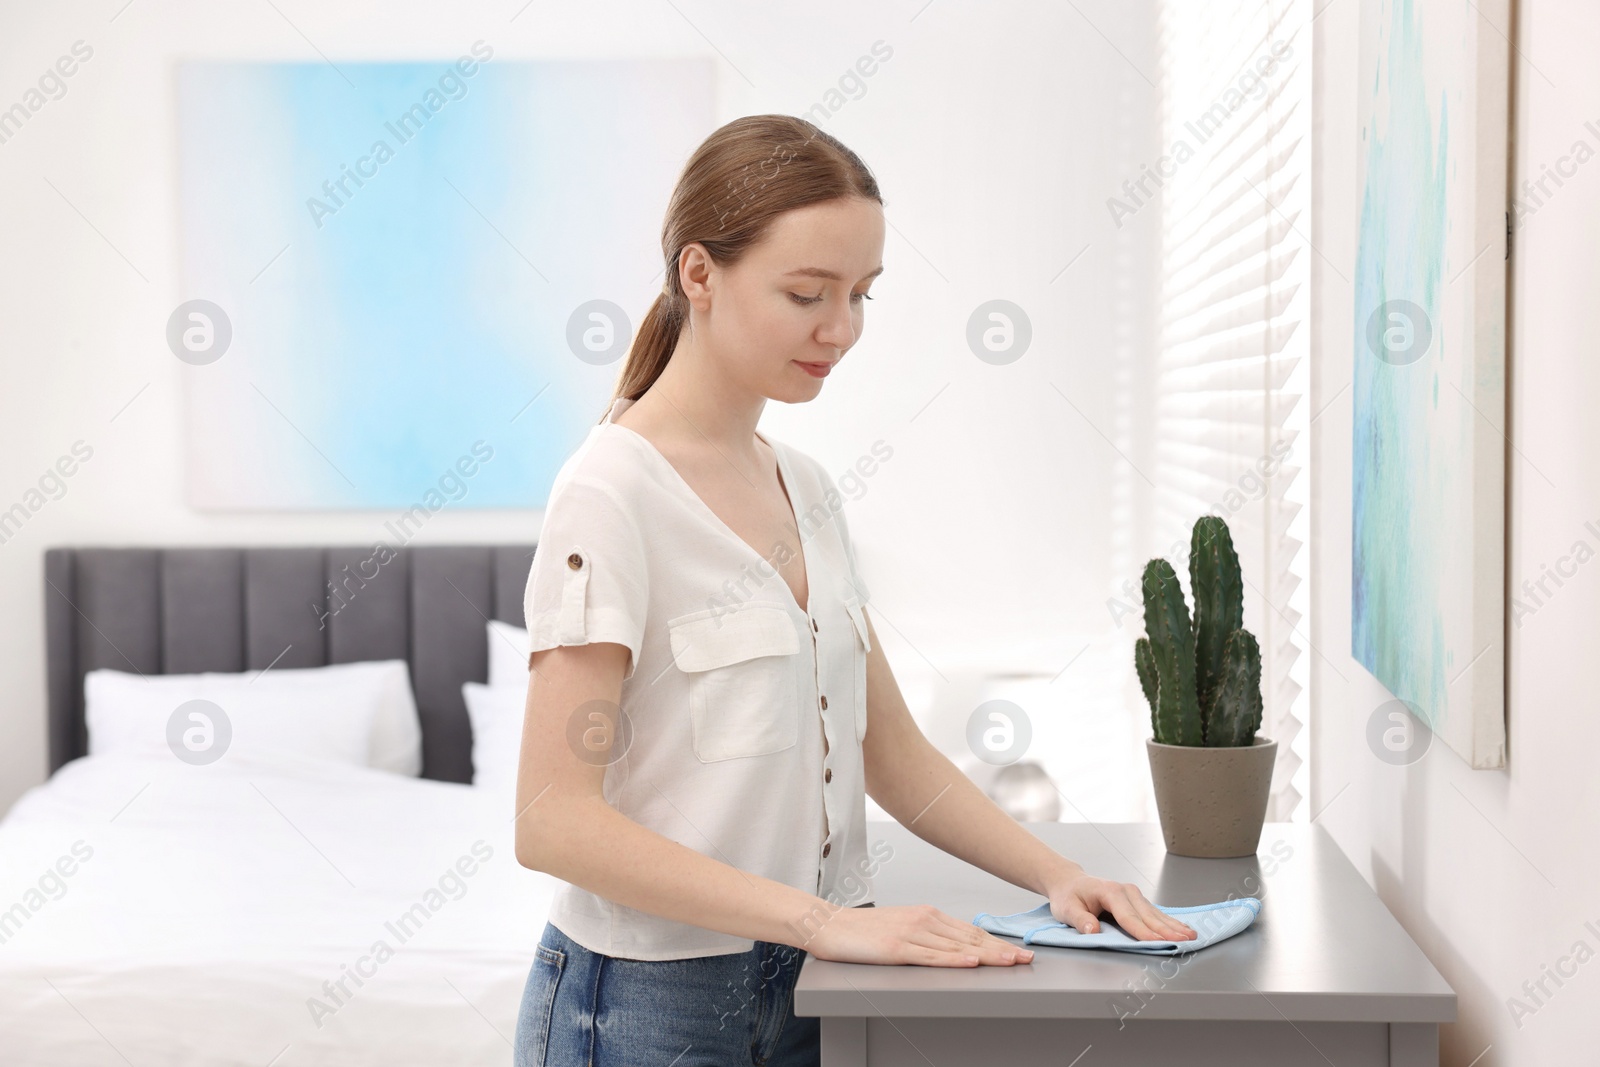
(496,712)
(358,713)
(397,734)
(508,654)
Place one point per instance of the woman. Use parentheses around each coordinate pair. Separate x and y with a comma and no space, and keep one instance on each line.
(698,739)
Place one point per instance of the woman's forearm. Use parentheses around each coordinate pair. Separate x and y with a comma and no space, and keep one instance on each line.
(590,844)
(928,794)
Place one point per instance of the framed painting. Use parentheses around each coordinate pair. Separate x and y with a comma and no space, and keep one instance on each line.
(1428,481)
(408,285)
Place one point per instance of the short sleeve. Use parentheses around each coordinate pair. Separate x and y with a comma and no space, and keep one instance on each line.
(589,581)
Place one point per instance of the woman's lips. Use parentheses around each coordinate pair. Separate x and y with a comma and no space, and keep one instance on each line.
(816,370)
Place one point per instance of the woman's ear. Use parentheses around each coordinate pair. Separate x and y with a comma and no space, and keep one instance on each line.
(695,271)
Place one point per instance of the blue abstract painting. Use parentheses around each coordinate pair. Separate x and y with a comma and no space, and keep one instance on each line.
(1428,479)
(412,283)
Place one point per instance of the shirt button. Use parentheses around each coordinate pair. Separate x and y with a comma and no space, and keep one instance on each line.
(824,703)
(827,776)
(827,849)
(814,626)
(575,561)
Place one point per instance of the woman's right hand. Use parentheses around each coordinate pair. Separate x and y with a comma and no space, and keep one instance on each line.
(918,934)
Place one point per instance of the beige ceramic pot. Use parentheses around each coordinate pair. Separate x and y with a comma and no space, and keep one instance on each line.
(1212,801)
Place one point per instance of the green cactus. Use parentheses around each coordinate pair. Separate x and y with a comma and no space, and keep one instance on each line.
(1144,661)
(1166,621)
(1236,714)
(1218,588)
(1203,681)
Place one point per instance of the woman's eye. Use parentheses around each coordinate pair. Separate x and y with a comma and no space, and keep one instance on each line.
(854,298)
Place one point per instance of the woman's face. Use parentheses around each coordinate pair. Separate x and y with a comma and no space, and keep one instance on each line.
(798,297)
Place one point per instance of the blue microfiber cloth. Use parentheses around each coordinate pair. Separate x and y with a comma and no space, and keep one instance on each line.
(1210,922)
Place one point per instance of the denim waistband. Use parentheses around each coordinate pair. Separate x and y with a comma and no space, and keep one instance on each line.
(584,1006)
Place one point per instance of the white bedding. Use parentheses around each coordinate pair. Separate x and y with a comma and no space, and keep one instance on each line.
(216,901)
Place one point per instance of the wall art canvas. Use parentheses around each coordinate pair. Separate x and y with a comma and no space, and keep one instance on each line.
(1428,602)
(412,283)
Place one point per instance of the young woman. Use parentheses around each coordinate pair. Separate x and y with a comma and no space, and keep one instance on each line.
(708,703)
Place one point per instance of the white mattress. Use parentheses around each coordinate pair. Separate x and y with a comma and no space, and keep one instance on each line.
(218,900)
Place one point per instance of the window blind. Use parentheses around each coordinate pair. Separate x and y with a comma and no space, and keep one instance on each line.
(1230,367)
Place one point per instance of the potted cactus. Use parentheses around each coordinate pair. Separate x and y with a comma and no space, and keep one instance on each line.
(1210,768)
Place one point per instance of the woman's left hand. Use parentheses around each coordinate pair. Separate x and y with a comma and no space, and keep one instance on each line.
(1080,898)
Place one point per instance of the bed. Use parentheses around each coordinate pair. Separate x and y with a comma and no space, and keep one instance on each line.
(267,909)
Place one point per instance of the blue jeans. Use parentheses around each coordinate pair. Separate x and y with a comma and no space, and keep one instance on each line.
(587,1009)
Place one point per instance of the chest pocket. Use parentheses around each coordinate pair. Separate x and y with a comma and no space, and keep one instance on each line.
(743,668)
(862,645)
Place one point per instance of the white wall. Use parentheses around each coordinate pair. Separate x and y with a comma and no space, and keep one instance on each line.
(997,134)
(1490,871)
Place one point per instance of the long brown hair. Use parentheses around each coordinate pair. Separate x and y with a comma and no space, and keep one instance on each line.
(738,181)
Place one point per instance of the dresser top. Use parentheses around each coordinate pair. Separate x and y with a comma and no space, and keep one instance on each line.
(1324,947)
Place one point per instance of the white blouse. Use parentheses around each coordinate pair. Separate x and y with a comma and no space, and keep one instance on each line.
(747,710)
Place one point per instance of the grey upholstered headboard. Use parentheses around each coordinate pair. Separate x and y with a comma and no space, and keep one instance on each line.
(191,609)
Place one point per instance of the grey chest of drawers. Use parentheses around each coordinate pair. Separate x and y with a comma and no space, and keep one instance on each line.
(1324,975)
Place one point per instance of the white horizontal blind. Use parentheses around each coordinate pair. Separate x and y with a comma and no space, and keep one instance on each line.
(1230,385)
